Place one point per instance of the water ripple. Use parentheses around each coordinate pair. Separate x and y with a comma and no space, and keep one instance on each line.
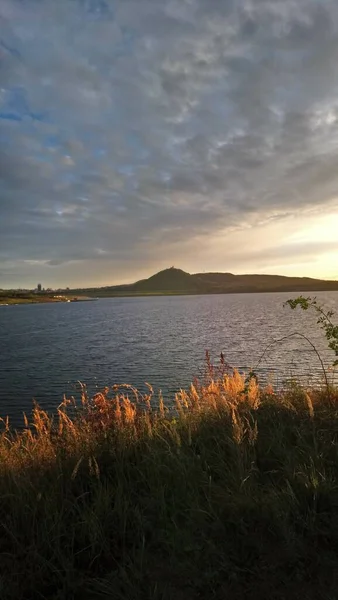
(45,349)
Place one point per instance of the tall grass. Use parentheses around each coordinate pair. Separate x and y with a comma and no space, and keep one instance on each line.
(233,494)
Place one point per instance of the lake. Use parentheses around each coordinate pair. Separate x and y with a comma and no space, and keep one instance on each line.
(46,348)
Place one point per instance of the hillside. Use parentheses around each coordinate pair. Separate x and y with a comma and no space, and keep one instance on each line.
(176,281)
(172,279)
(227,282)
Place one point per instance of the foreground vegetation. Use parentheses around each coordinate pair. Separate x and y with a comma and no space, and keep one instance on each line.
(233,494)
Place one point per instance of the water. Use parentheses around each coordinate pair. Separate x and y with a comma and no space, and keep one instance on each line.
(46,348)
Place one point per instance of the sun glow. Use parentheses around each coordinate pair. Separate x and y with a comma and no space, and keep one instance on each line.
(325,229)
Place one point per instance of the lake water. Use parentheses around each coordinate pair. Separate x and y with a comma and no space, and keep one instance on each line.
(45,349)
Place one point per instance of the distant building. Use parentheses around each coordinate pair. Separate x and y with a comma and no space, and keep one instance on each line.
(39,288)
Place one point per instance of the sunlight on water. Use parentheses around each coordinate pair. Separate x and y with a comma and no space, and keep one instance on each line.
(46,349)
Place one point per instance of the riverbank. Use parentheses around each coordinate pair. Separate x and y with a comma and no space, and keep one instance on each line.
(233,495)
(43,299)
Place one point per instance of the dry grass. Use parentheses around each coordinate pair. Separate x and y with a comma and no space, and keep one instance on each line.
(233,492)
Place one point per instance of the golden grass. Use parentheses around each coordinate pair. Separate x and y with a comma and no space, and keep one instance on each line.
(232,489)
(133,416)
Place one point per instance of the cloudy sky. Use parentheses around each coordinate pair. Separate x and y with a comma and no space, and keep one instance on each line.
(140,134)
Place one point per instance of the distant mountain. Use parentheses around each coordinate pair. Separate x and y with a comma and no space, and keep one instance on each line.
(176,281)
(170,280)
(227,283)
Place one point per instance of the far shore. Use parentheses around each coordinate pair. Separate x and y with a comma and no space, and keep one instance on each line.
(100,295)
(15,301)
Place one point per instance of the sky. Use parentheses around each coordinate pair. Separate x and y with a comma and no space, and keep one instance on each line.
(140,134)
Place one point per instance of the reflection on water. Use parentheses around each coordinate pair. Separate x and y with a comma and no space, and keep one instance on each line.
(46,348)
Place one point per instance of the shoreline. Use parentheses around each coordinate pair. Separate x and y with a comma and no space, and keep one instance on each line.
(8,301)
(48,300)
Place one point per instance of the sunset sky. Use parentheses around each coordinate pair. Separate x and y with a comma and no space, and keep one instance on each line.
(140,134)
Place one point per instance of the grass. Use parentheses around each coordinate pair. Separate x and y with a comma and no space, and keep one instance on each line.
(27,299)
(234,494)
(36,299)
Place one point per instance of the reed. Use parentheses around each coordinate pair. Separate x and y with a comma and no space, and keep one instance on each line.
(230,492)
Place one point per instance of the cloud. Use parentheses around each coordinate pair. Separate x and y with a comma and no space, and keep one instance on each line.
(145,129)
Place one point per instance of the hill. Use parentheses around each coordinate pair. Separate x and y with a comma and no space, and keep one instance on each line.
(172,279)
(175,281)
(227,283)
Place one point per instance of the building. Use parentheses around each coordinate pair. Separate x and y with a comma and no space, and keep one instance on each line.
(39,287)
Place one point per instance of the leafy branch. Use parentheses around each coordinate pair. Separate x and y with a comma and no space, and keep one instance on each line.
(324,320)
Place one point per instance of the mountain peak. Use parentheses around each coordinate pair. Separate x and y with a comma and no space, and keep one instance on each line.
(169,280)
